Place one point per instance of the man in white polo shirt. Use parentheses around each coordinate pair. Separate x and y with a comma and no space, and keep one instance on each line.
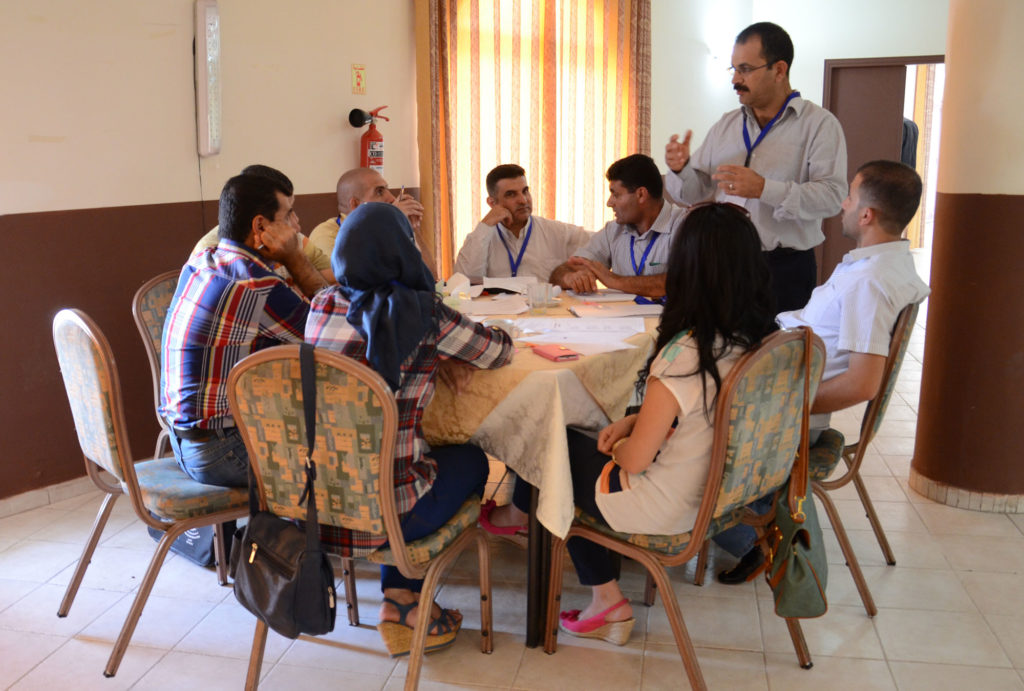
(855,311)
(510,240)
(630,253)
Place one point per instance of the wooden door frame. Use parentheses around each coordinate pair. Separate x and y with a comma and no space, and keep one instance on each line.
(830,65)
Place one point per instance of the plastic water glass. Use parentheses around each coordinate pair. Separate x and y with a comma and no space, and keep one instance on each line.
(538,296)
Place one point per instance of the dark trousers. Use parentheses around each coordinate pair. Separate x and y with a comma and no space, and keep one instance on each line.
(595,565)
(461,471)
(794,276)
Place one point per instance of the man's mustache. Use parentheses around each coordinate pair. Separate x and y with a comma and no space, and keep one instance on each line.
(740,87)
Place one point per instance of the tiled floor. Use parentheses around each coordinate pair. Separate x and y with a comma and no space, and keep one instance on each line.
(951,613)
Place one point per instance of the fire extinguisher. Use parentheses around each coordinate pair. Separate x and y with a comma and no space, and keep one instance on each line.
(371,146)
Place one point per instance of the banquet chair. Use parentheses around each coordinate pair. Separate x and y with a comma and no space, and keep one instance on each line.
(829,450)
(757,421)
(356,426)
(161,494)
(149,308)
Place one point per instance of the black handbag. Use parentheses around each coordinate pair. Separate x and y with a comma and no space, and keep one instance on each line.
(281,575)
(797,569)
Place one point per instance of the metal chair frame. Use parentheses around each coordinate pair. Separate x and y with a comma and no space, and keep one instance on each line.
(430,571)
(656,562)
(107,371)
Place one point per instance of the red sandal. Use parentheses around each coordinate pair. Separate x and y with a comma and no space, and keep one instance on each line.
(597,626)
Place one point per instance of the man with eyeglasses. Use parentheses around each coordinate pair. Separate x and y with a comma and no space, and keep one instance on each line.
(779,156)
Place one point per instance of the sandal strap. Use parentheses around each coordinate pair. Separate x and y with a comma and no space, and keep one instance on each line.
(445,623)
(403,610)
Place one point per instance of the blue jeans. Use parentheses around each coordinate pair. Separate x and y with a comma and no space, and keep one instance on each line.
(461,471)
(740,539)
(220,460)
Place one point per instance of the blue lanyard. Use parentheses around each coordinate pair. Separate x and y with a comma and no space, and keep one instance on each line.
(338,220)
(643,260)
(771,123)
(514,263)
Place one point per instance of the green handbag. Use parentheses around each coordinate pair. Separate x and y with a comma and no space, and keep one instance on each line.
(797,569)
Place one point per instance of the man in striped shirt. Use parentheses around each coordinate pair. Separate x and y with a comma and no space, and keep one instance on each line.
(229,303)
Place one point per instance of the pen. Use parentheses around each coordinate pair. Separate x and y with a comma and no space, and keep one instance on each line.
(400,193)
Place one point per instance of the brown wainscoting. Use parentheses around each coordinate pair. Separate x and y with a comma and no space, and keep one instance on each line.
(94,260)
(972,390)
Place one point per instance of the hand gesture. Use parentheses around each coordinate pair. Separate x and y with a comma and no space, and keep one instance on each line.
(739,181)
(677,153)
(620,429)
(411,208)
(497,214)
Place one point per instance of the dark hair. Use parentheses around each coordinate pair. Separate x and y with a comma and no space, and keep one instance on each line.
(775,42)
(243,198)
(717,287)
(287,188)
(893,190)
(506,171)
(637,171)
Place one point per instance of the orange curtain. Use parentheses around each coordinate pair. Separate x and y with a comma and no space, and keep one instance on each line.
(561,87)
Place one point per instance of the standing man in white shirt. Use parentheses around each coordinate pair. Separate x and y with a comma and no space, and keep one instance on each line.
(630,253)
(854,312)
(510,240)
(779,156)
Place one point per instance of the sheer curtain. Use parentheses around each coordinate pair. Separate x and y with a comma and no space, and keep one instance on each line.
(561,87)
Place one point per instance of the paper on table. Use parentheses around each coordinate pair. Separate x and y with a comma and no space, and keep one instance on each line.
(516,283)
(587,336)
(603,295)
(622,309)
(500,304)
(458,284)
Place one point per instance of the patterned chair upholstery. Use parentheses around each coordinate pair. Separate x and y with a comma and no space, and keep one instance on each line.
(162,496)
(149,307)
(830,449)
(357,421)
(757,435)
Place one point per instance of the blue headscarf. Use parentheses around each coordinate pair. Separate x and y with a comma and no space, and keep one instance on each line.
(389,288)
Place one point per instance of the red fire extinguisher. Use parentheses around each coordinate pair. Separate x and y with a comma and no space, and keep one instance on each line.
(371,146)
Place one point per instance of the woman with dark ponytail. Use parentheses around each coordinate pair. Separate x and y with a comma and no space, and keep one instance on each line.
(645,473)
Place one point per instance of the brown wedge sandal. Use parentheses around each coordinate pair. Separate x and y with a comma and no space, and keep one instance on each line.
(397,635)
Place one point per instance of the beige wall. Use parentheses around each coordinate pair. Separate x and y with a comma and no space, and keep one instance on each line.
(99,107)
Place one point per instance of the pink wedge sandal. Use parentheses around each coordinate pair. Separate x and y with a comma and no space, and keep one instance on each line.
(616,632)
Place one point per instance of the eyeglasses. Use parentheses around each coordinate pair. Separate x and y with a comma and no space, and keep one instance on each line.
(736,207)
(744,69)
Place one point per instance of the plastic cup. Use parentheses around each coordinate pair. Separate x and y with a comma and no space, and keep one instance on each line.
(538,296)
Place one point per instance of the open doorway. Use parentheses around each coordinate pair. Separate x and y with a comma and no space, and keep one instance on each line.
(870,97)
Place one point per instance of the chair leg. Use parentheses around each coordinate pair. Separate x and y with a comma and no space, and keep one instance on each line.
(803,655)
(847,548)
(675,618)
(876,525)
(259,644)
(348,574)
(486,606)
(125,637)
(554,595)
(163,444)
(702,563)
(90,546)
(220,553)
(649,589)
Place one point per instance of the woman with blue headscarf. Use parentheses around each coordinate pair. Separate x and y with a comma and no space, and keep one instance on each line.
(384,311)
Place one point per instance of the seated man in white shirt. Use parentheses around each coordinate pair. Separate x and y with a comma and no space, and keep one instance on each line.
(629,253)
(355,187)
(854,312)
(510,240)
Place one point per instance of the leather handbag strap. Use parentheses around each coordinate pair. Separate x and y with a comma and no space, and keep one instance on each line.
(307,366)
(798,479)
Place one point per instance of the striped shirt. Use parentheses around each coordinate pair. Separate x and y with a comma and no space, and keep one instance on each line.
(228,304)
(454,337)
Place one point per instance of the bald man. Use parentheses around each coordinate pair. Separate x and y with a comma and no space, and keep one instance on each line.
(355,187)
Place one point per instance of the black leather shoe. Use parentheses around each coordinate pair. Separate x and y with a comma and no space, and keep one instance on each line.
(744,571)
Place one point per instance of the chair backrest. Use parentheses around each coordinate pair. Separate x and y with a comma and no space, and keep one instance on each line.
(356,425)
(757,423)
(149,307)
(875,411)
(94,391)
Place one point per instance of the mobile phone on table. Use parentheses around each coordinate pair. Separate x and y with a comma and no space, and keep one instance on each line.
(558,353)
